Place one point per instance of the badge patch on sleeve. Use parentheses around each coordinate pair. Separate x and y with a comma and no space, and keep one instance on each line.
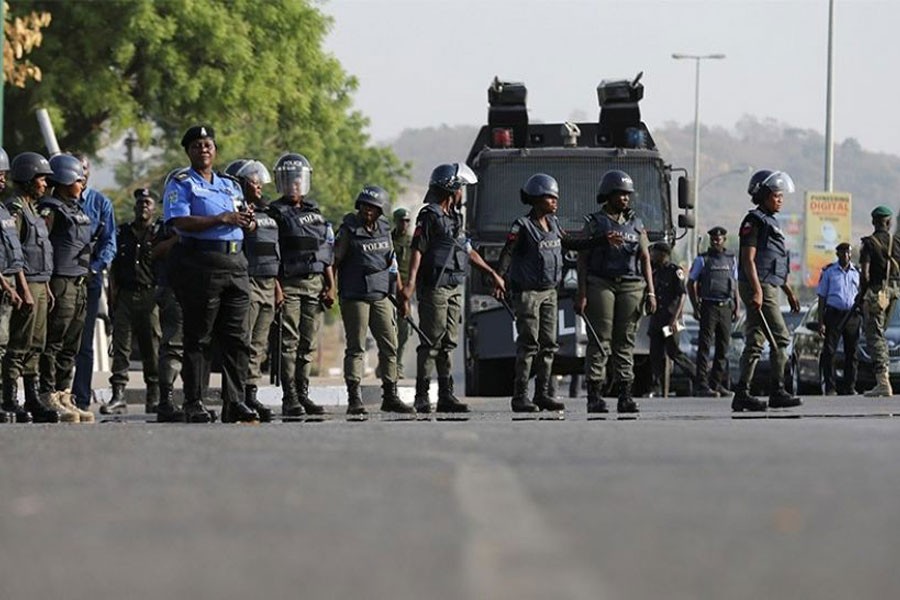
(679,272)
(746,228)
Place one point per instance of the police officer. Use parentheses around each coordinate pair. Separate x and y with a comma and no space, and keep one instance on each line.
(70,235)
(103,239)
(763,268)
(171,344)
(437,268)
(306,242)
(208,271)
(402,238)
(12,262)
(532,260)
(838,318)
(712,288)
(879,283)
(28,322)
(132,296)
(670,289)
(614,278)
(366,267)
(261,248)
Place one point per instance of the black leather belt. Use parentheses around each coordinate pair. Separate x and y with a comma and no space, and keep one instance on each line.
(221,246)
(716,302)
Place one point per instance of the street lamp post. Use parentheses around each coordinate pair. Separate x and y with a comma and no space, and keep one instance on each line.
(692,245)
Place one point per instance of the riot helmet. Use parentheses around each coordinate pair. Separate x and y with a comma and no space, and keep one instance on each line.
(28,165)
(372,195)
(235,166)
(244,169)
(4,160)
(451,177)
(538,186)
(67,169)
(766,181)
(293,173)
(614,181)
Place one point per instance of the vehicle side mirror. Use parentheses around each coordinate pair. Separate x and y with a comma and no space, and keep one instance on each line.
(685,193)
(686,221)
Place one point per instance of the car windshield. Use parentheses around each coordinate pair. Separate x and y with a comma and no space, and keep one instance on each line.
(495,203)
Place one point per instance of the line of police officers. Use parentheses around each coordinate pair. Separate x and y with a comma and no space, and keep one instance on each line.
(223,263)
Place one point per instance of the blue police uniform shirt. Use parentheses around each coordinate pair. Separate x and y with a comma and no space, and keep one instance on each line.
(699,263)
(100,209)
(190,195)
(839,287)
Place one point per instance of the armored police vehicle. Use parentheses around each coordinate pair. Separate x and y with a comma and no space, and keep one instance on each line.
(506,152)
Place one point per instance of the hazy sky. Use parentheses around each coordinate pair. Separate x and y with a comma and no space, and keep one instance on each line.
(429,62)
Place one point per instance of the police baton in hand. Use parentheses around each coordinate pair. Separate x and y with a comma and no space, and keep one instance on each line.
(275,361)
(425,339)
(506,305)
(592,331)
(768,331)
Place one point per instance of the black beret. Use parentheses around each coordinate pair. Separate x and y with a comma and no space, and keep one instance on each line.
(195,133)
(661,247)
(141,193)
(843,246)
(718,230)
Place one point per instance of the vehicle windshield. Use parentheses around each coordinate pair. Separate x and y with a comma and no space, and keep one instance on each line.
(495,203)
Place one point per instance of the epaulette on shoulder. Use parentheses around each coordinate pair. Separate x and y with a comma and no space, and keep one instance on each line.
(181,176)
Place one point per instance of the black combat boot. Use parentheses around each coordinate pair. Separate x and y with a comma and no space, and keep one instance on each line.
(422,403)
(595,401)
(519,403)
(626,403)
(290,405)
(355,404)
(151,399)
(447,401)
(11,402)
(166,411)
(780,398)
(238,412)
(116,404)
(544,399)
(742,401)
(390,401)
(252,402)
(196,412)
(309,406)
(40,411)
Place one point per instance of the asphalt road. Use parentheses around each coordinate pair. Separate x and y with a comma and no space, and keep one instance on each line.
(684,502)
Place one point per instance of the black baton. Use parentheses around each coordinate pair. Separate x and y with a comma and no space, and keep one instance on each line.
(412,323)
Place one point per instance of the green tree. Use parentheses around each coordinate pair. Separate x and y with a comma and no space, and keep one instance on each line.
(255,71)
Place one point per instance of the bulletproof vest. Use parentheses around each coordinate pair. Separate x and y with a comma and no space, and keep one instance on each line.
(12,260)
(133,265)
(261,247)
(716,281)
(444,263)
(877,246)
(71,238)
(772,256)
(304,237)
(403,252)
(36,246)
(364,273)
(667,286)
(612,262)
(537,263)
(160,265)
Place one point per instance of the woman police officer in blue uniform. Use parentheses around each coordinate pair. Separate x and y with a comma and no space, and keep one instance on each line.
(208,271)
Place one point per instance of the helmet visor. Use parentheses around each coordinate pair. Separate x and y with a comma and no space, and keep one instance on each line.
(779,181)
(465,175)
(255,170)
(294,181)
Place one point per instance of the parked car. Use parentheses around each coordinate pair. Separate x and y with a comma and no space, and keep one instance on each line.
(760,383)
(803,375)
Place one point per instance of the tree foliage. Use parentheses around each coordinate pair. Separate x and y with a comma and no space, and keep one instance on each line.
(255,71)
(21,35)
